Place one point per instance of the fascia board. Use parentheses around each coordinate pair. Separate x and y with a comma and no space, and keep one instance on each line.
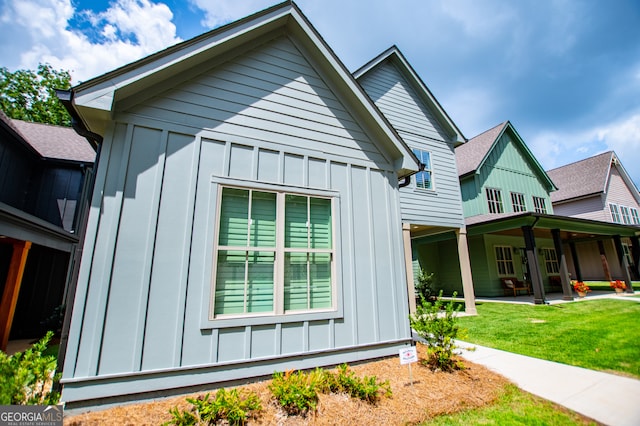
(550,185)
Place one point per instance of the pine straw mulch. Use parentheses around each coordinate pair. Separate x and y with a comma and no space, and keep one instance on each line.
(432,394)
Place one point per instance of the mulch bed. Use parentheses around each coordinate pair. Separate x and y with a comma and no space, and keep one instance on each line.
(430,395)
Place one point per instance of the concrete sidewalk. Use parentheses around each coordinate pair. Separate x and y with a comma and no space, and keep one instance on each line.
(606,398)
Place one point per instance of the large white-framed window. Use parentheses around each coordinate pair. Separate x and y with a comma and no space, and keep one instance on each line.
(615,213)
(634,216)
(424,178)
(274,254)
(494,200)
(550,261)
(517,202)
(626,216)
(504,260)
(539,205)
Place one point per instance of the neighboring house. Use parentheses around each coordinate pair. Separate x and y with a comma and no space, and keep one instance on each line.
(245,218)
(431,205)
(599,188)
(43,169)
(513,231)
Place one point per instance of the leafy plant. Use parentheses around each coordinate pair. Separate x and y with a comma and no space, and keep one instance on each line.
(233,406)
(368,389)
(581,287)
(437,324)
(296,392)
(28,377)
(618,284)
(424,284)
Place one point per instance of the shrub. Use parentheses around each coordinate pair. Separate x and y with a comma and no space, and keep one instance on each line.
(233,406)
(368,389)
(28,377)
(297,392)
(438,325)
(424,285)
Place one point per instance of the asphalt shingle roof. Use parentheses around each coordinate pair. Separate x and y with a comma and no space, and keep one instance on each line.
(470,154)
(582,178)
(56,142)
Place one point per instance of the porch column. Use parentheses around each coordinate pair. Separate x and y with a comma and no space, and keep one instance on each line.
(635,255)
(576,261)
(465,272)
(12,289)
(624,264)
(605,262)
(567,293)
(411,293)
(533,265)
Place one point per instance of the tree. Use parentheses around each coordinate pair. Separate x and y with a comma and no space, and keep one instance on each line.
(30,95)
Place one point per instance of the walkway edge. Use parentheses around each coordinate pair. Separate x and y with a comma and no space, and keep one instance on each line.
(606,398)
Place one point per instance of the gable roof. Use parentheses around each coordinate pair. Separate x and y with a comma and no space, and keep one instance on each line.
(588,177)
(94,100)
(471,156)
(396,57)
(49,141)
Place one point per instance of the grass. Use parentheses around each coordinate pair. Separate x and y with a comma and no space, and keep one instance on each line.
(513,407)
(599,334)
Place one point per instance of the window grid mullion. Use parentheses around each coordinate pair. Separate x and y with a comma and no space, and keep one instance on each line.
(308,247)
(278,287)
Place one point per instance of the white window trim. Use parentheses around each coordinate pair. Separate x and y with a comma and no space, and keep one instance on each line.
(513,264)
(522,207)
(614,210)
(539,204)
(499,203)
(208,321)
(634,216)
(430,170)
(625,214)
(551,261)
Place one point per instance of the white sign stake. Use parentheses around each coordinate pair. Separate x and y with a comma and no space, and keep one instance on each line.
(408,356)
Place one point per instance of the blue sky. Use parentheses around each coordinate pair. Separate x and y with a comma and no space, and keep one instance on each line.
(565,73)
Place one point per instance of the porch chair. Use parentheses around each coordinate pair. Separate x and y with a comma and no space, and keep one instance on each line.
(512,284)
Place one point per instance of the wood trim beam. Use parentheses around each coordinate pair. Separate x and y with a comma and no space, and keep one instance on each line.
(12,289)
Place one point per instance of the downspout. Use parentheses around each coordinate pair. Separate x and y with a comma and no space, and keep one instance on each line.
(407,179)
(66,97)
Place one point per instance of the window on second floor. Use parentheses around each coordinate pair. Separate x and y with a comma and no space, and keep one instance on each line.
(539,205)
(634,216)
(424,179)
(551,261)
(517,201)
(615,213)
(494,198)
(626,217)
(504,260)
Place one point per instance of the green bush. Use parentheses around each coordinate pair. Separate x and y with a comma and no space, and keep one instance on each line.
(297,392)
(366,388)
(424,285)
(437,324)
(28,377)
(233,406)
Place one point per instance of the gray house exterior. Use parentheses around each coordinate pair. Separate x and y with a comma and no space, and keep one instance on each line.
(246,216)
(431,204)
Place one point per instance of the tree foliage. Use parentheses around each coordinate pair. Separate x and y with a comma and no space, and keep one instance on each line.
(30,95)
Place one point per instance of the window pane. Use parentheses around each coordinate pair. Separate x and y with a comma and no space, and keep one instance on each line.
(229,297)
(295,217)
(320,221)
(234,217)
(260,281)
(295,281)
(320,280)
(263,219)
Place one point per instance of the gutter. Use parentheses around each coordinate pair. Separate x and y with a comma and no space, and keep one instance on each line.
(66,99)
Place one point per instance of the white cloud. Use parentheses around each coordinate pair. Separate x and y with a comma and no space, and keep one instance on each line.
(554,149)
(126,31)
(218,13)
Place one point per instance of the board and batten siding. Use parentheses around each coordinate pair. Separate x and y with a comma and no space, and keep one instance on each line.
(508,170)
(140,322)
(417,126)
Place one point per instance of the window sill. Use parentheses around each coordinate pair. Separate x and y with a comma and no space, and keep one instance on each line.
(228,322)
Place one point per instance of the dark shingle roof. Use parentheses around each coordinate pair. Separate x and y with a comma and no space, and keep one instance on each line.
(470,154)
(582,178)
(56,142)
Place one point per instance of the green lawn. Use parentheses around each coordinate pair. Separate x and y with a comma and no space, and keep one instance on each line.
(598,334)
(513,407)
